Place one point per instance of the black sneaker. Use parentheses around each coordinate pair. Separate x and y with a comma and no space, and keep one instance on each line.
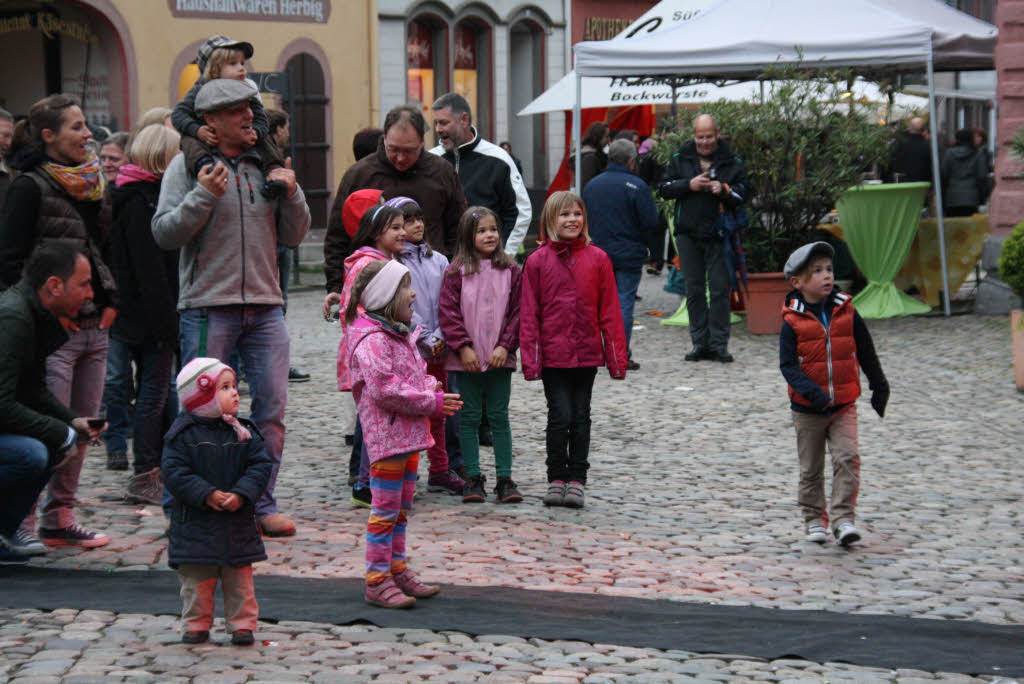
(361,497)
(632,365)
(295,375)
(197,637)
(721,355)
(73,535)
(475,491)
(506,491)
(117,461)
(698,354)
(242,637)
(9,557)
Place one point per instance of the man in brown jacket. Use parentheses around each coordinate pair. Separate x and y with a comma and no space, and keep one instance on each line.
(400,167)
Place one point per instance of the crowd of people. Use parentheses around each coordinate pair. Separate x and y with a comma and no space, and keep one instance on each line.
(166,248)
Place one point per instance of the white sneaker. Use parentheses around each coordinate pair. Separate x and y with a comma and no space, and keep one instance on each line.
(846,534)
(23,541)
(816,533)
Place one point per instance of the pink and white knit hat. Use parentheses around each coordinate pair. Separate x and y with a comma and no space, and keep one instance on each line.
(197,386)
(197,390)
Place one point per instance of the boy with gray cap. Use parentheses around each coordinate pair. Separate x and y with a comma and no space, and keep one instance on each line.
(222,57)
(823,346)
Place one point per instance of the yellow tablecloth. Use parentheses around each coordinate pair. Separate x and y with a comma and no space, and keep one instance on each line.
(923,268)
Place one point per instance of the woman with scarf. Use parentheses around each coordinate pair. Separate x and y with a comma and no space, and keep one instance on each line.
(57,196)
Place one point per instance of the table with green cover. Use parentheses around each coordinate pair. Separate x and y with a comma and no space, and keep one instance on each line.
(879,224)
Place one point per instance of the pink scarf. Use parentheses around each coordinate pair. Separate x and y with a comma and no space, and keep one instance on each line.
(130,173)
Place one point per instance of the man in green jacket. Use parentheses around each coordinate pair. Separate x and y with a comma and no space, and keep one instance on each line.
(36,430)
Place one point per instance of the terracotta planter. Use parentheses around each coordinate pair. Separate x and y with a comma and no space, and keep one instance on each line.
(1017,337)
(764,305)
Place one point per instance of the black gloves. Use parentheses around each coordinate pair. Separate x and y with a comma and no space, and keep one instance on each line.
(879,398)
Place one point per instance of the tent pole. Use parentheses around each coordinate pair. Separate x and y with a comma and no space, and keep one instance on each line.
(937,179)
(577,133)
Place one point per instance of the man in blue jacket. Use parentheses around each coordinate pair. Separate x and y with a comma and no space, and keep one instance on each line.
(620,216)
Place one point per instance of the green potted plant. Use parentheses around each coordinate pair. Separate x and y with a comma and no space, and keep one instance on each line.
(1011,270)
(803,147)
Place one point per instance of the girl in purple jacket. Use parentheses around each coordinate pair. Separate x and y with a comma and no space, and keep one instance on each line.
(480,320)
(395,396)
(427,267)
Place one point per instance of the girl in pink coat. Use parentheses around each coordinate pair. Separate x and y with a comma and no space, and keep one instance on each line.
(570,324)
(395,397)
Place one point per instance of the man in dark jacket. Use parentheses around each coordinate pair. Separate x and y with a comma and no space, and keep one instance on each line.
(912,155)
(488,174)
(399,168)
(36,431)
(620,215)
(706,179)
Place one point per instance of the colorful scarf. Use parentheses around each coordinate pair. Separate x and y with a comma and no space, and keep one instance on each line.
(83,182)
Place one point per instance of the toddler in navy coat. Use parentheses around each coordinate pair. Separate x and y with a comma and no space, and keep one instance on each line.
(215,468)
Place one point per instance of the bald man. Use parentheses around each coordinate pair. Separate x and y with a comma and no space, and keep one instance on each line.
(911,156)
(705,177)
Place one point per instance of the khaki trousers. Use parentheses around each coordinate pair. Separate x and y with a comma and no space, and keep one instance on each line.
(198,585)
(839,432)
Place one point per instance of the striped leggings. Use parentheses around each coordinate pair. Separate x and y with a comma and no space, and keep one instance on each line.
(392,486)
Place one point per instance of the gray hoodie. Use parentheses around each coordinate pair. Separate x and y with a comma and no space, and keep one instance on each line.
(229,243)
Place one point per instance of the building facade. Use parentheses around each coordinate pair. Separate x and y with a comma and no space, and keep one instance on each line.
(123,57)
(500,55)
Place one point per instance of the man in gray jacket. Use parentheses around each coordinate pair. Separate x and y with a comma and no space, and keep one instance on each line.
(229,292)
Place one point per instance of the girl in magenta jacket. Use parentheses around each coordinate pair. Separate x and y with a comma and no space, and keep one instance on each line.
(479,316)
(570,324)
(395,397)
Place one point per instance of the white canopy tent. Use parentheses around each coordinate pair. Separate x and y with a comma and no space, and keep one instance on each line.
(738,39)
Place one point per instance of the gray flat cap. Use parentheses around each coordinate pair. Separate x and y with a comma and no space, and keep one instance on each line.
(222,93)
(799,258)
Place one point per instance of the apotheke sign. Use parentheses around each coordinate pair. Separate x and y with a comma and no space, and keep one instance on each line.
(308,11)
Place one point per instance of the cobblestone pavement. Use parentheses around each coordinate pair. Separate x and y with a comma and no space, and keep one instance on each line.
(691,498)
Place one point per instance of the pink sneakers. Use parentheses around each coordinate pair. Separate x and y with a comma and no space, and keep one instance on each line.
(411,585)
(388,595)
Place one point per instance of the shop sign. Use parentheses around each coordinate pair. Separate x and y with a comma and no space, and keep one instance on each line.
(603,28)
(308,11)
(50,25)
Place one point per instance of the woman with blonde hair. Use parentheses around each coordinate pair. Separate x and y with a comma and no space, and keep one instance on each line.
(146,331)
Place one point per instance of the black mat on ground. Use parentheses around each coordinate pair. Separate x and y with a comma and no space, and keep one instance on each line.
(819,636)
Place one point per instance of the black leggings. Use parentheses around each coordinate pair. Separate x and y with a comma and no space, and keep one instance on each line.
(568,392)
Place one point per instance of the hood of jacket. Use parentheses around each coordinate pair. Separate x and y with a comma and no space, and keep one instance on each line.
(962,152)
(25,158)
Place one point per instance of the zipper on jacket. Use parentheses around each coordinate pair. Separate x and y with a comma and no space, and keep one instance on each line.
(241,224)
(828,358)
(252,197)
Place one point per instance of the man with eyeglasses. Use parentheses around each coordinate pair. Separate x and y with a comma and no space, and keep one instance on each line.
(400,167)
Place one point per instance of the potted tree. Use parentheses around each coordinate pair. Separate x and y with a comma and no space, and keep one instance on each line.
(803,147)
(1011,270)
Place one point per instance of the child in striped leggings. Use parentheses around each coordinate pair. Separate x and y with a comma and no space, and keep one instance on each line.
(395,397)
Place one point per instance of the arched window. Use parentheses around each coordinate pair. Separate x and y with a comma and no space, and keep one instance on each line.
(426,49)
(526,82)
(471,76)
(309,133)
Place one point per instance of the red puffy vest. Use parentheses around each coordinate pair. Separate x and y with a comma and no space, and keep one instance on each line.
(828,357)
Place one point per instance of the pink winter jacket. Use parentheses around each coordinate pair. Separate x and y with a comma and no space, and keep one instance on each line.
(569,315)
(392,389)
(355,263)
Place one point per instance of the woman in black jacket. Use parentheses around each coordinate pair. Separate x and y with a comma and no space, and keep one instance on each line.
(964,177)
(146,331)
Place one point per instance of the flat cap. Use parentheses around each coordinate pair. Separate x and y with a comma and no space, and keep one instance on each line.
(214,42)
(799,258)
(222,93)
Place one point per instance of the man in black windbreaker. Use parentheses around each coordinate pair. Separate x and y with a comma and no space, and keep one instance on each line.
(705,178)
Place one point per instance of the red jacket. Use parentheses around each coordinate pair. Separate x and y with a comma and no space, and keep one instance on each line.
(569,315)
(827,357)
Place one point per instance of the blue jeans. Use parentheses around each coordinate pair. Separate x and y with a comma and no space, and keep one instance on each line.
(261,338)
(154,366)
(284,270)
(627,283)
(23,474)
